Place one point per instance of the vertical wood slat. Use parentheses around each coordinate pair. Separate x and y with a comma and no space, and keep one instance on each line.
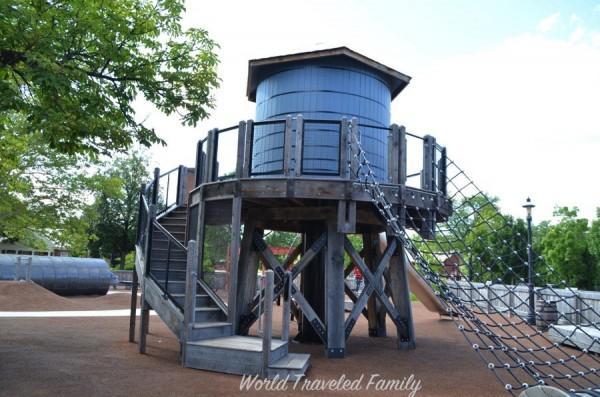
(248,136)
(299,144)
(211,156)
(200,235)
(154,198)
(287,146)
(189,306)
(402,155)
(394,155)
(241,150)
(268,322)
(181,185)
(353,159)
(442,167)
(236,219)
(428,174)
(344,149)
(200,160)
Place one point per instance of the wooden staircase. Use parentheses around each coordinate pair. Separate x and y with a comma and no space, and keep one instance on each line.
(207,338)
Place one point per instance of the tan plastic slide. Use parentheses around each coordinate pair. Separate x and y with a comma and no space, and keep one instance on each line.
(419,287)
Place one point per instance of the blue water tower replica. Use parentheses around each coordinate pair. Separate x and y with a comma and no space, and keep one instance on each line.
(322,126)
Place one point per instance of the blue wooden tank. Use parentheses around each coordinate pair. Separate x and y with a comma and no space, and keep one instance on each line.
(325,85)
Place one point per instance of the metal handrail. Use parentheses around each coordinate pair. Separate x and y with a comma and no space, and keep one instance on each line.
(169,235)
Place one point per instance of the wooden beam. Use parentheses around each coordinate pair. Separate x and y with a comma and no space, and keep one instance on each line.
(394,155)
(241,149)
(189,304)
(402,155)
(372,253)
(247,272)
(334,295)
(236,224)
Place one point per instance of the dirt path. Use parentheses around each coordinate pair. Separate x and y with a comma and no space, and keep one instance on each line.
(91,357)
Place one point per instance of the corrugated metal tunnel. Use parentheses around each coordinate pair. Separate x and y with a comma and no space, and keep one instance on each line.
(60,274)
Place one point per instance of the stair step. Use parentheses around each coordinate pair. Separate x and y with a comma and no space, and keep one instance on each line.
(290,367)
(210,329)
(209,314)
(232,354)
(239,342)
(202,300)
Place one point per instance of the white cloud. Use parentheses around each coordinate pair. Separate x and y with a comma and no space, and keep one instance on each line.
(521,118)
(548,23)
(577,34)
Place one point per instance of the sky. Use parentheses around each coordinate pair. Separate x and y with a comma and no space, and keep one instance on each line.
(511,88)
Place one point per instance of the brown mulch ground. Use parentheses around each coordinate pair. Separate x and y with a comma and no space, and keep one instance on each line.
(92,357)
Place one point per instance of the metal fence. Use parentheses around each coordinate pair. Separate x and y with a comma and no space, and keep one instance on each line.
(573,305)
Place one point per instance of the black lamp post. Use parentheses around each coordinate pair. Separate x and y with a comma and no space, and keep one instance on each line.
(530,286)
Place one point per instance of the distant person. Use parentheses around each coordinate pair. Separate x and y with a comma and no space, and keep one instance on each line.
(358,277)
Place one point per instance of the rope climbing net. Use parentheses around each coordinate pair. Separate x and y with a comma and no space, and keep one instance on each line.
(488,292)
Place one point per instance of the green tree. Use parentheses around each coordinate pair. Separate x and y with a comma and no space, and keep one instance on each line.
(594,238)
(114,225)
(565,248)
(74,68)
(42,191)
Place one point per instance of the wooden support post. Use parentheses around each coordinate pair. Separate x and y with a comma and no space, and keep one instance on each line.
(334,305)
(313,287)
(287,146)
(247,274)
(285,312)
(375,309)
(236,220)
(133,314)
(299,143)
(402,157)
(189,305)
(397,277)
(181,185)
(248,137)
(442,167)
(394,155)
(268,323)
(144,319)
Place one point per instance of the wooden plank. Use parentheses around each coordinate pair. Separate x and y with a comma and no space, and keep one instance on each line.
(309,254)
(248,136)
(287,146)
(299,145)
(334,295)
(376,312)
(236,220)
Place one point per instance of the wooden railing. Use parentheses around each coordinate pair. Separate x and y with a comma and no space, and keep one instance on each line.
(212,154)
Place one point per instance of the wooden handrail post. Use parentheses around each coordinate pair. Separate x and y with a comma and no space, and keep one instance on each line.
(268,322)
(155,189)
(189,306)
(148,245)
(241,149)
(211,156)
(287,146)
(394,155)
(353,132)
(402,157)
(299,143)
(249,136)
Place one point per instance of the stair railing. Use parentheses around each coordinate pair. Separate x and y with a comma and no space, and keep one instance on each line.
(267,334)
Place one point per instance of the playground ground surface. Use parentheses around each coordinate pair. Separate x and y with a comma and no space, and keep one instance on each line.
(91,356)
